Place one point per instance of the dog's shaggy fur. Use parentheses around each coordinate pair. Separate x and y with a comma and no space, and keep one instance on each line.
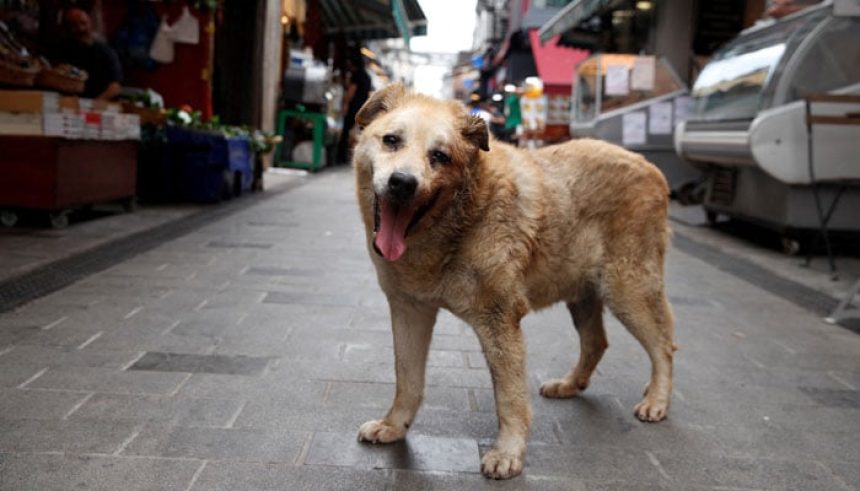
(489,232)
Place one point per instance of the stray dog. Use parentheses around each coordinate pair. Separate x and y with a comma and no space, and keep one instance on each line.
(457,221)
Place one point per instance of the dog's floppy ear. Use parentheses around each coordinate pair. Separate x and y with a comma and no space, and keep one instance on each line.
(380,102)
(476,131)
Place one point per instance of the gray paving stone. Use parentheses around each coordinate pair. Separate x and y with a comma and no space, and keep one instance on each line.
(595,463)
(415,452)
(435,480)
(148,339)
(63,472)
(846,472)
(179,362)
(182,411)
(311,299)
(62,336)
(13,334)
(828,446)
(241,445)
(381,395)
(273,387)
(71,436)
(37,404)
(833,398)
(108,380)
(332,371)
(718,470)
(303,416)
(479,426)
(220,244)
(56,357)
(298,315)
(13,376)
(275,271)
(229,476)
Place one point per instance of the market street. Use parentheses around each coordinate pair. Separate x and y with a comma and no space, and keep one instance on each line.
(245,353)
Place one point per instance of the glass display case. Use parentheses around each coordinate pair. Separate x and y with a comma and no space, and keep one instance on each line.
(750,128)
(591,99)
(778,64)
(633,101)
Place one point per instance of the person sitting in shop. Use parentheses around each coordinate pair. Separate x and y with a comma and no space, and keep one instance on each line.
(82,49)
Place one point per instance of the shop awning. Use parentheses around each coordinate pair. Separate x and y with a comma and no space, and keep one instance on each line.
(555,64)
(373,19)
(571,15)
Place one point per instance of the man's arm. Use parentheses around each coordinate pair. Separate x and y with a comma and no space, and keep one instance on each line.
(112,90)
(115,70)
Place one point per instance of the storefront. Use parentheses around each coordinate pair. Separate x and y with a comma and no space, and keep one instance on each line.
(150,130)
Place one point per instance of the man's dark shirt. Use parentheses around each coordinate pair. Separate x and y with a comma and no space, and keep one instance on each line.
(362,83)
(98,59)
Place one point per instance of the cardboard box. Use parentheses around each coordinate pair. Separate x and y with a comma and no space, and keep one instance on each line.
(92,125)
(21,124)
(120,126)
(96,106)
(29,101)
(69,104)
(64,125)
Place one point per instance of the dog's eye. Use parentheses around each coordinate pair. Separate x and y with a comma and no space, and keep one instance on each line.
(391,140)
(439,157)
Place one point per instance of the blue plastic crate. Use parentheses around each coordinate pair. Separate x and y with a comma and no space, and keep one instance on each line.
(210,166)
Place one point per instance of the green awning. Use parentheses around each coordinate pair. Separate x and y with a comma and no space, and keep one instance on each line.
(572,15)
(373,19)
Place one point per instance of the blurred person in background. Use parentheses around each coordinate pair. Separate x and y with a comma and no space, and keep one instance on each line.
(355,95)
(82,49)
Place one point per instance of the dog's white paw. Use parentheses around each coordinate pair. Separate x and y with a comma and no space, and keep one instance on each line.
(497,464)
(651,410)
(378,431)
(561,388)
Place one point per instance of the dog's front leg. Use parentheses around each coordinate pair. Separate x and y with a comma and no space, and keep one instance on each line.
(505,353)
(412,325)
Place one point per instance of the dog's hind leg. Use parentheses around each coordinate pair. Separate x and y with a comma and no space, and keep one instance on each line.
(412,325)
(641,305)
(587,313)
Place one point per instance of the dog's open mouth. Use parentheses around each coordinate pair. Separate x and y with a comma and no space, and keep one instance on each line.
(392,223)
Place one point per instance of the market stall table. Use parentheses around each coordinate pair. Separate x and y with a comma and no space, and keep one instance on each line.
(57,175)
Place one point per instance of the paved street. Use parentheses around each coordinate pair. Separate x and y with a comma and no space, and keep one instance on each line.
(245,353)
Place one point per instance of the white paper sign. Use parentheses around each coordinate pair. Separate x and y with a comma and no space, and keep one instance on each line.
(617,79)
(633,129)
(660,118)
(642,77)
(683,105)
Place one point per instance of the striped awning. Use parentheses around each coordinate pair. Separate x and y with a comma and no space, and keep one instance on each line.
(373,19)
(573,14)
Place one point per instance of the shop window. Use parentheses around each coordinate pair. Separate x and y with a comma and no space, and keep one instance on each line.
(588,104)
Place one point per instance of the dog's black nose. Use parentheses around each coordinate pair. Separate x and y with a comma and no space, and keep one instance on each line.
(402,186)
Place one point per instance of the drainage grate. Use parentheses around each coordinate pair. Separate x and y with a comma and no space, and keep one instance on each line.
(58,274)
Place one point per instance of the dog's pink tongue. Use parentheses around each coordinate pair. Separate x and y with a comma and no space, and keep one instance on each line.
(391,236)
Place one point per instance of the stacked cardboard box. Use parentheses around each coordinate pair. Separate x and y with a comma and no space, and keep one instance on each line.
(36,113)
